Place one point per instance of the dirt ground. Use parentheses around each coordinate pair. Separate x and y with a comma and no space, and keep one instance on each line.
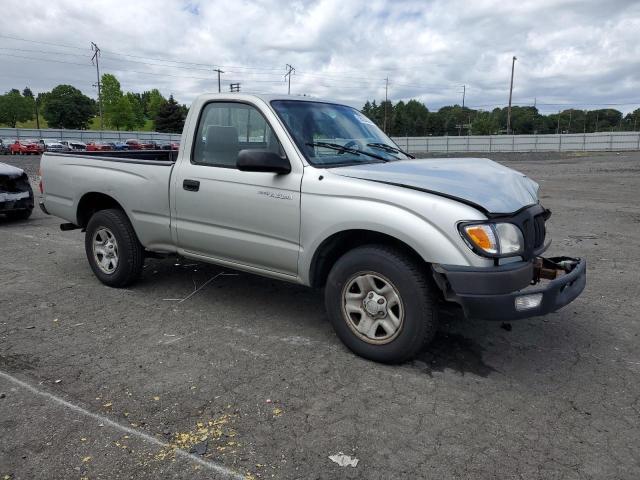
(103,383)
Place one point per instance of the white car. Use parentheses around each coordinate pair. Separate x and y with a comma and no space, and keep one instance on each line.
(73,145)
(53,145)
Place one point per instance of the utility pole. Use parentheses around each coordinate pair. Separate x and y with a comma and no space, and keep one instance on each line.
(569,127)
(94,60)
(38,114)
(558,129)
(464,93)
(513,65)
(290,70)
(219,72)
(386,102)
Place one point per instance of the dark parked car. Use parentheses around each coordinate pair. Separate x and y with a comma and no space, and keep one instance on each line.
(4,147)
(16,195)
(170,146)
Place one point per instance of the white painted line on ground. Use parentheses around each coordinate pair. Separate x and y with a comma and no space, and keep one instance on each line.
(216,467)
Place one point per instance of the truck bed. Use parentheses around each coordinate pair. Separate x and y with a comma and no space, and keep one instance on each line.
(137,180)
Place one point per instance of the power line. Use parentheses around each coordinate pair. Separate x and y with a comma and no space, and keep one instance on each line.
(44,59)
(46,52)
(42,43)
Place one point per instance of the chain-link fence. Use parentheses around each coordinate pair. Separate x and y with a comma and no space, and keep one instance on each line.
(590,142)
(600,141)
(12,134)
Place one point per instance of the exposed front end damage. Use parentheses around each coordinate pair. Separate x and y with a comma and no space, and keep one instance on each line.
(515,290)
(16,195)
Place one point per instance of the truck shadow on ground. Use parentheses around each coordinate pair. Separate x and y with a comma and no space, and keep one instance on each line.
(289,303)
(455,352)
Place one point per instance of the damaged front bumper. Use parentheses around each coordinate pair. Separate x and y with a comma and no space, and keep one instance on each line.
(15,190)
(513,291)
(12,201)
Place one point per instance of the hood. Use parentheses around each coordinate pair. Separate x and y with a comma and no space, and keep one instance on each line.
(10,170)
(482,183)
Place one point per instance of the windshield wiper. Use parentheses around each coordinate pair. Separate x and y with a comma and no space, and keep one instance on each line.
(389,148)
(342,148)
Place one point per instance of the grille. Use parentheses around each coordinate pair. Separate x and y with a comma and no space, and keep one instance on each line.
(539,230)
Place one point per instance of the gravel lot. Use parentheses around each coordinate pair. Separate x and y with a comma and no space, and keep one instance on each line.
(253,365)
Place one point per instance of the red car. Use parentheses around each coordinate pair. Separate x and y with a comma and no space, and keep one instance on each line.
(133,144)
(98,147)
(25,147)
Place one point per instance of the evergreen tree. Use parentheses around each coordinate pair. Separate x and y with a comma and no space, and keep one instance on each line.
(170,117)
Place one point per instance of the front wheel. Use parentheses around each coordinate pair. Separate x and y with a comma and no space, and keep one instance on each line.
(381,303)
(112,247)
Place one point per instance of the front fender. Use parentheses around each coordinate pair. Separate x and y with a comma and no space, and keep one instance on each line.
(424,222)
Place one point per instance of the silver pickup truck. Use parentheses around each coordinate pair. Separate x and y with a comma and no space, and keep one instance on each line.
(312,192)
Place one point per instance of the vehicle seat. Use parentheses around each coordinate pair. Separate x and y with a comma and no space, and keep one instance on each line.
(221,145)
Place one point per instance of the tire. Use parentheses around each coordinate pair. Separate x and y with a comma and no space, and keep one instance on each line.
(20,214)
(113,250)
(409,302)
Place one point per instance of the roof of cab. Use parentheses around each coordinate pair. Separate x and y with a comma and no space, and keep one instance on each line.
(267,98)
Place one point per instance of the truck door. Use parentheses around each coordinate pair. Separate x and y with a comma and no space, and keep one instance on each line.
(248,218)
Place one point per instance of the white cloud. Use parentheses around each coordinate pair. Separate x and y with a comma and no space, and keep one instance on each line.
(568,52)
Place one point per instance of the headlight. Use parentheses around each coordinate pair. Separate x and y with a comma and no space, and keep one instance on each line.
(493,239)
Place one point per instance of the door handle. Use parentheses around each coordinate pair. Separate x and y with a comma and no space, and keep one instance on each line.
(191,185)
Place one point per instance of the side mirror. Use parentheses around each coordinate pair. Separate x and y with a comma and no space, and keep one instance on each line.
(262,161)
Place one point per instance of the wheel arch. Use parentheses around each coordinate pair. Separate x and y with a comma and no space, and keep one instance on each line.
(339,243)
(93,202)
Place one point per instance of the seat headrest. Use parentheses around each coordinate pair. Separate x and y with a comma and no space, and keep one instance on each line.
(221,137)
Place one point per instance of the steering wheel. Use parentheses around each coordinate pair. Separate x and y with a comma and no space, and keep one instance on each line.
(351,144)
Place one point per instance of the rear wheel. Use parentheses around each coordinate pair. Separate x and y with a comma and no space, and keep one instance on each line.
(381,304)
(112,247)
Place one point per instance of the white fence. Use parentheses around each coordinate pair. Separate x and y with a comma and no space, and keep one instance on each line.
(83,135)
(602,141)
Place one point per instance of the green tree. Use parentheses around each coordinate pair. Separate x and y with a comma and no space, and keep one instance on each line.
(121,115)
(137,107)
(67,107)
(170,117)
(484,123)
(15,108)
(632,120)
(155,101)
(116,112)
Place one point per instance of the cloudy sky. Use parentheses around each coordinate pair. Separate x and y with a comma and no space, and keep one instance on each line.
(570,53)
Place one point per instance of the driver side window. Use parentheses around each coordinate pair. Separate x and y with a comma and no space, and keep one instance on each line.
(225,128)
